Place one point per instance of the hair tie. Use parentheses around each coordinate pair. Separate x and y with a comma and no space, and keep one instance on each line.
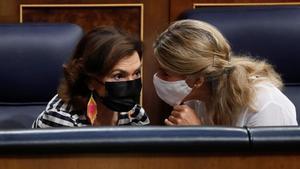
(228,70)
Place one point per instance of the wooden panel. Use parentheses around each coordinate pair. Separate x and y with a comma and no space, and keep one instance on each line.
(8,12)
(157,161)
(201,5)
(156,19)
(177,7)
(126,16)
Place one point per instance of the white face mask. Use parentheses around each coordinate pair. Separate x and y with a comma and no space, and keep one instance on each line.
(171,92)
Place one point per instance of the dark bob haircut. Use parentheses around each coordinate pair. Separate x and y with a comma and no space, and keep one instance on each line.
(95,55)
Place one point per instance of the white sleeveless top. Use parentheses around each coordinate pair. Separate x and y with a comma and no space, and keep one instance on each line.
(273,108)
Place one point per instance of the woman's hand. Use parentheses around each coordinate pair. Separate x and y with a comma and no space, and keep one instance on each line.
(183,115)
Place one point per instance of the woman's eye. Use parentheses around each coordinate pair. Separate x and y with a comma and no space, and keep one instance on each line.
(138,74)
(117,77)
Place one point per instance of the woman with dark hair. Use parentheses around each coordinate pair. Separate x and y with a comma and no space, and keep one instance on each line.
(101,84)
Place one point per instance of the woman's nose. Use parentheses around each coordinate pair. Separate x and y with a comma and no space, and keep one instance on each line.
(131,78)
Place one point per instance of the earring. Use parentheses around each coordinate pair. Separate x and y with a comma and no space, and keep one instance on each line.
(92,109)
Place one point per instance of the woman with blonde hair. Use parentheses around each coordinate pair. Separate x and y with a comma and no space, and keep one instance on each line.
(208,85)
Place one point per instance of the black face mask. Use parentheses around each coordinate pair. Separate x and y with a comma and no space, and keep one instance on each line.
(122,96)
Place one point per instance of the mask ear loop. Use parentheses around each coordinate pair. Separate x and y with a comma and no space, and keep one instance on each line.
(194,78)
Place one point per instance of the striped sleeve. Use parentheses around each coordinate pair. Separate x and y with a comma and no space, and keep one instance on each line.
(53,119)
(139,117)
(55,115)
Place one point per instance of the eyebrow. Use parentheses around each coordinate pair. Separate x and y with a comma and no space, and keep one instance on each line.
(125,72)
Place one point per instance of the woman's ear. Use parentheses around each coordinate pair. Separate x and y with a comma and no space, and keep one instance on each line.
(90,84)
(199,82)
(196,85)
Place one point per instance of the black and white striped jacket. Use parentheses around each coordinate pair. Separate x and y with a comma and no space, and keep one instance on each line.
(60,114)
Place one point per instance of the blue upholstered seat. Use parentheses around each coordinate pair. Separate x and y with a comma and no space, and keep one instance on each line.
(31,58)
(125,139)
(271,32)
(276,139)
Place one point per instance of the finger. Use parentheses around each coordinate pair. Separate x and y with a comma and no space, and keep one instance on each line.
(180,107)
(176,114)
(201,121)
(167,122)
(172,119)
(175,120)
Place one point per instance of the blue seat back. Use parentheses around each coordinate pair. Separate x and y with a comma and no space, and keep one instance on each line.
(31,58)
